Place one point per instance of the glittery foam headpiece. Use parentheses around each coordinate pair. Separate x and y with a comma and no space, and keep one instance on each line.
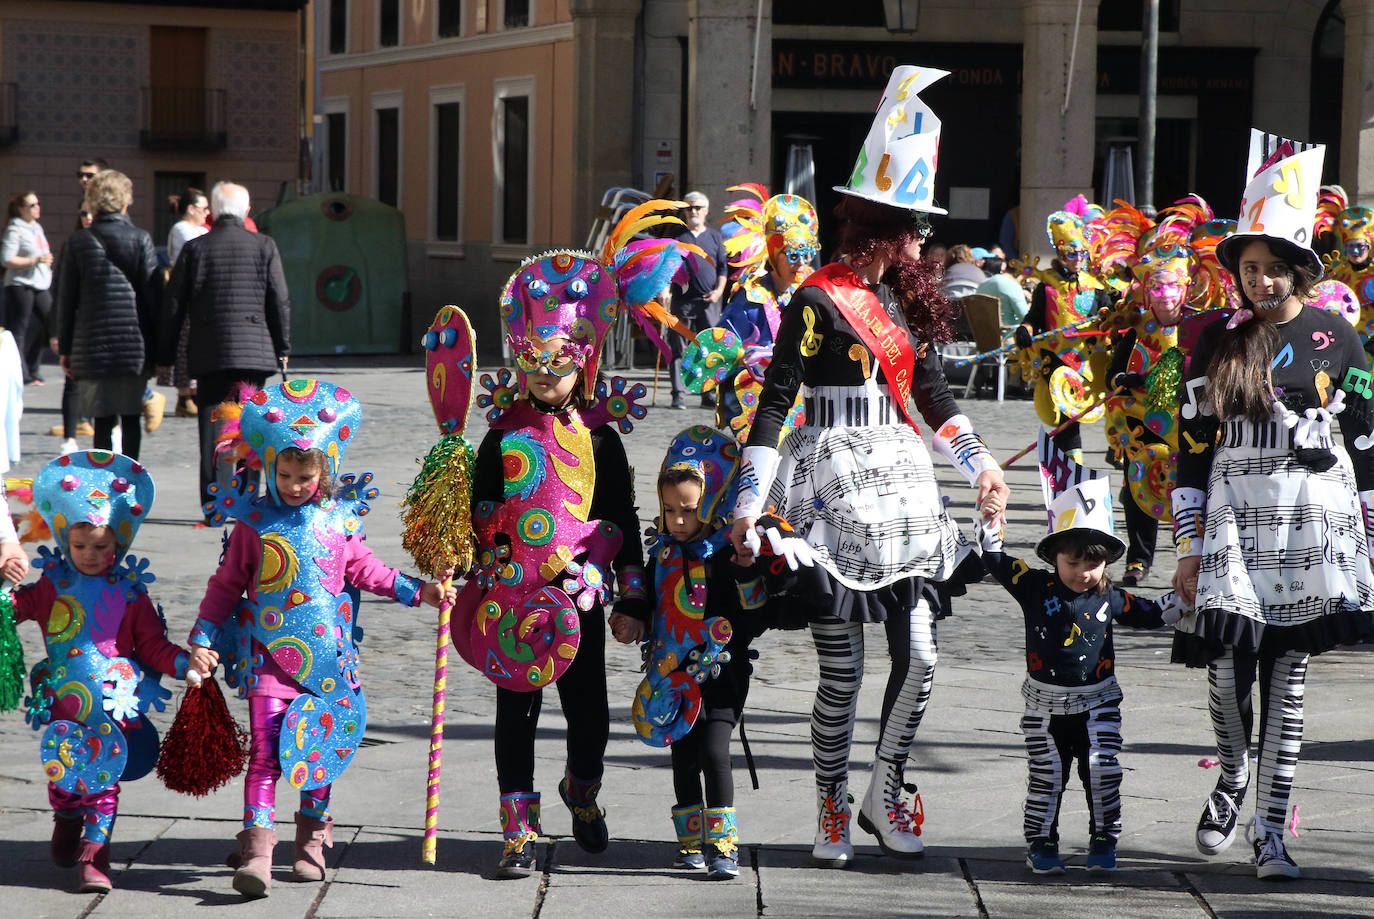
(95,487)
(305,414)
(789,221)
(566,293)
(1354,226)
(712,456)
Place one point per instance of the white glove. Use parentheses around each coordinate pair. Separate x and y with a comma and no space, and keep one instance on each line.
(752,541)
(792,548)
(1171,608)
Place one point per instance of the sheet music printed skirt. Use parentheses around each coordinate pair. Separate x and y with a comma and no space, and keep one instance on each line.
(866,500)
(1285,564)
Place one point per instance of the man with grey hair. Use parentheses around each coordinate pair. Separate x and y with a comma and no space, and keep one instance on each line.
(699,303)
(229,285)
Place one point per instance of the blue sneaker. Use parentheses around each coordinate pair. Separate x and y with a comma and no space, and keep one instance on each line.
(1043,857)
(1101,853)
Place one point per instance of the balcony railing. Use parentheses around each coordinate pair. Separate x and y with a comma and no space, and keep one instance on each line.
(174,117)
(9,113)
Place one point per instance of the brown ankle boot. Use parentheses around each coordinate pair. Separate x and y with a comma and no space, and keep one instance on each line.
(253,879)
(94,860)
(186,407)
(312,836)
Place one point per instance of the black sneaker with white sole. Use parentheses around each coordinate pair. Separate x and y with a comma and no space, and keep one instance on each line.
(1272,861)
(1216,828)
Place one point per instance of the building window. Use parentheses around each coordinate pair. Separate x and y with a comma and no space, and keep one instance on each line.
(517,14)
(450,13)
(513,144)
(448,170)
(336,151)
(389,23)
(389,155)
(338,26)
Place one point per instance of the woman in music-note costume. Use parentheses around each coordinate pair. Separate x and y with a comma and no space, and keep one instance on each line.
(855,481)
(1270,515)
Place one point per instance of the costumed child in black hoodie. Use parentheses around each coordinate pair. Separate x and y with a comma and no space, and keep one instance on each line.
(1073,701)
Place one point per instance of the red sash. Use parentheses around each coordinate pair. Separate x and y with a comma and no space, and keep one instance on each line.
(875,328)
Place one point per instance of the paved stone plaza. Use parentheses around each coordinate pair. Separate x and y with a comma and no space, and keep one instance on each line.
(968,759)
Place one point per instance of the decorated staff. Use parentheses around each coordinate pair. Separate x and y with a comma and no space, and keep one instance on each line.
(438,518)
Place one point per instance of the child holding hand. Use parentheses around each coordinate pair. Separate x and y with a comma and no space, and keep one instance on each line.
(106,645)
(706,613)
(293,641)
(1073,701)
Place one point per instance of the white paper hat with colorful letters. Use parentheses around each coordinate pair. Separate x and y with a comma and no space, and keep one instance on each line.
(1086,508)
(897,164)
(1283,178)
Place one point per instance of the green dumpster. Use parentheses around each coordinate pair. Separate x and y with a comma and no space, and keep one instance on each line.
(345,263)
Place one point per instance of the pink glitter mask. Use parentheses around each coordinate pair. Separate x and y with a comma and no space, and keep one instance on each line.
(561,362)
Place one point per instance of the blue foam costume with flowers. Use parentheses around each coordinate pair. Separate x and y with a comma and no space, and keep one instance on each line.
(109,739)
(301,614)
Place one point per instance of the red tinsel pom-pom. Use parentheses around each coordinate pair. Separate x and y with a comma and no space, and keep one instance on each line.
(205,747)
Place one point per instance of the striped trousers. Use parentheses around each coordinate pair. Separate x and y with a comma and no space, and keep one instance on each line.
(1053,742)
(840,646)
(1230,679)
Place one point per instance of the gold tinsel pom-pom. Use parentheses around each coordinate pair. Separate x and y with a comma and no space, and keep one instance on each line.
(438,508)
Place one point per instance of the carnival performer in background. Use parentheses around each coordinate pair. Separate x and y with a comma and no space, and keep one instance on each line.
(1069,292)
(1271,518)
(774,251)
(855,481)
(1175,274)
(294,653)
(107,646)
(1352,262)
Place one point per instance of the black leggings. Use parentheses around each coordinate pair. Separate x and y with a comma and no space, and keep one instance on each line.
(705,751)
(1141,530)
(582,694)
(131,434)
(26,316)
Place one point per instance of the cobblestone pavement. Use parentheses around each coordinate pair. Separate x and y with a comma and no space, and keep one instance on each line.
(968,761)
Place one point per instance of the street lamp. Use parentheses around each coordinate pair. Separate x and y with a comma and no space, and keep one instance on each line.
(901,14)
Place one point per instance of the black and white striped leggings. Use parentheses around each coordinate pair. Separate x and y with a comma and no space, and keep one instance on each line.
(1053,742)
(1230,679)
(840,647)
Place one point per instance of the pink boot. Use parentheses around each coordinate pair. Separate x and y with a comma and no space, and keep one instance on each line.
(312,836)
(253,878)
(94,861)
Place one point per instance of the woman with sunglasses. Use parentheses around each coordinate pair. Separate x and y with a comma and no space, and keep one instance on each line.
(776,247)
(28,280)
(855,481)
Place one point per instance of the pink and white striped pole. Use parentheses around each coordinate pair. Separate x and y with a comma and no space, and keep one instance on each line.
(429,850)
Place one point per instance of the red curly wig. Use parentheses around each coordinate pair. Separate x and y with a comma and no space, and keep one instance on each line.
(875,231)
